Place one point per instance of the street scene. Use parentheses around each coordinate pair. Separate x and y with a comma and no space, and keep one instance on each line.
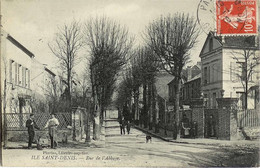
(121,150)
(140,83)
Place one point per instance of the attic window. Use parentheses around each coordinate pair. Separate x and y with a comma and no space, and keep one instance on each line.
(211,44)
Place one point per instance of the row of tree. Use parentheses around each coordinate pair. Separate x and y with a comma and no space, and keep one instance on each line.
(110,50)
(108,47)
(168,40)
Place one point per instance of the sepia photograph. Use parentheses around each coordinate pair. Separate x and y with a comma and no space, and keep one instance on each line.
(140,83)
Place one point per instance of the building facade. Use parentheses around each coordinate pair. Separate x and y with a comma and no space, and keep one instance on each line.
(223,64)
(16,75)
(191,88)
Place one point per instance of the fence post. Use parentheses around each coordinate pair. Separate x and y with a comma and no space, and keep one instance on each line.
(228,124)
(5,129)
(87,113)
(197,110)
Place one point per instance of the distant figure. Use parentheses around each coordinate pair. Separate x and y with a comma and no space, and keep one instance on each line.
(122,125)
(211,126)
(31,125)
(175,129)
(128,126)
(157,130)
(194,130)
(52,125)
(185,126)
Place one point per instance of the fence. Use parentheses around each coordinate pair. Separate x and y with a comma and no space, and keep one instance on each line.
(249,118)
(17,121)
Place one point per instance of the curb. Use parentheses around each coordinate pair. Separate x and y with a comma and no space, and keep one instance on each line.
(153,134)
(182,142)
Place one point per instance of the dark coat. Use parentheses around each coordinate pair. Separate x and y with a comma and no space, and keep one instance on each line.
(31,125)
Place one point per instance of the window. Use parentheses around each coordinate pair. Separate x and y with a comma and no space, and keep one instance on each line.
(29,79)
(205,75)
(234,71)
(16,74)
(244,71)
(11,71)
(23,76)
(206,100)
(208,75)
(214,103)
(20,74)
(26,77)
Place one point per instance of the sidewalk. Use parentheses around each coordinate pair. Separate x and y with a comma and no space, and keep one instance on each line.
(200,141)
(70,144)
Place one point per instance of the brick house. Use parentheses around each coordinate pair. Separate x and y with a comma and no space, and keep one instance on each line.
(191,88)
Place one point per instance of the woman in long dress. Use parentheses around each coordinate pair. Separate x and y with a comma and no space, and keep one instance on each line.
(52,125)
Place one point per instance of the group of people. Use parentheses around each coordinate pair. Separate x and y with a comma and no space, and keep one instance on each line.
(124,124)
(188,129)
(51,124)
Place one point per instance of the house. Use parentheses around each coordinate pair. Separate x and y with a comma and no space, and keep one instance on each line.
(224,68)
(161,83)
(191,87)
(42,83)
(16,75)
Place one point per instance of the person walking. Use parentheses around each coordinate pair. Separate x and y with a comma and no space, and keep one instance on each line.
(52,125)
(122,125)
(128,127)
(31,125)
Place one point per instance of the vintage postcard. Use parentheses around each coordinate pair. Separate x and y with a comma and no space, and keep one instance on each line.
(140,83)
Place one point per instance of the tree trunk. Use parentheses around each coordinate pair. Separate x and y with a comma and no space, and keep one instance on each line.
(150,111)
(144,116)
(177,104)
(4,108)
(136,103)
(96,124)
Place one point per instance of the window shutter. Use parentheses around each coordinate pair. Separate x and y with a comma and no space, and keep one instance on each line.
(29,79)
(16,73)
(10,70)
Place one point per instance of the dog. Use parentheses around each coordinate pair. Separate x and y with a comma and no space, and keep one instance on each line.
(64,138)
(39,146)
(148,138)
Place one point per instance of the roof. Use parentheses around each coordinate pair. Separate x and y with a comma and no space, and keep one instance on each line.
(50,72)
(194,78)
(240,42)
(19,45)
(161,82)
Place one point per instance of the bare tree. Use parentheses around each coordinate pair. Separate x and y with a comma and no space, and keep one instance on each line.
(110,46)
(65,47)
(246,65)
(171,37)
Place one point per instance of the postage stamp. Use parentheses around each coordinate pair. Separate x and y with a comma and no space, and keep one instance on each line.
(236,17)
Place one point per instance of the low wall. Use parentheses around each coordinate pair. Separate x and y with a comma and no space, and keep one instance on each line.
(22,136)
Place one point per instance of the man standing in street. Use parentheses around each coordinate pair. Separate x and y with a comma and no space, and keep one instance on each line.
(31,125)
(122,125)
(52,125)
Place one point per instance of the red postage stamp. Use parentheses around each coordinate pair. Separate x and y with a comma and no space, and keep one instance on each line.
(236,17)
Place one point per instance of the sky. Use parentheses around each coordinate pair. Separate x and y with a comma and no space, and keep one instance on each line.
(34,22)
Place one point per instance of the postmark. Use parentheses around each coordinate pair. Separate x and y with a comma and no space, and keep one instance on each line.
(206,15)
(236,17)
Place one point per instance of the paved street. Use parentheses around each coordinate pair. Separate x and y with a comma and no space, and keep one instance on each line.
(132,150)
